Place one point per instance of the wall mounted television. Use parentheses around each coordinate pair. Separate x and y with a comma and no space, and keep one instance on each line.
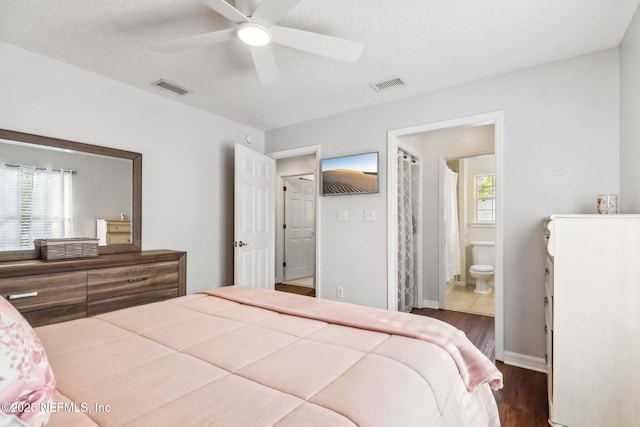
(356,174)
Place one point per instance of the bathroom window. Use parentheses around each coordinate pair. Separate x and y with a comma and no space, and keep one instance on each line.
(485,198)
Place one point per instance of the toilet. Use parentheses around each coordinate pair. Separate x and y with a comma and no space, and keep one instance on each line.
(483,258)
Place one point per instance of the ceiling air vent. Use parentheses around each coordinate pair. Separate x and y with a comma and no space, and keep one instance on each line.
(387,84)
(172,87)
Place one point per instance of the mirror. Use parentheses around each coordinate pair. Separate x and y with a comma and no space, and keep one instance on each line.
(97,194)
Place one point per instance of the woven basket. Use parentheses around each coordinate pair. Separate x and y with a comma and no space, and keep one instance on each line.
(78,247)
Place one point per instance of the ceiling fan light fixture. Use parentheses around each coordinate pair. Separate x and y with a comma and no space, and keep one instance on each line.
(254,34)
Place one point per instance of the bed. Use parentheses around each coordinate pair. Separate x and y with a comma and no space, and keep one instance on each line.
(249,357)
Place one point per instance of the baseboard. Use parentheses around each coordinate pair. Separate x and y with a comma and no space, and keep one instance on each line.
(537,364)
(430,304)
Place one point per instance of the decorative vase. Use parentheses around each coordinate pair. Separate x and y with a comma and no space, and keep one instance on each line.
(608,204)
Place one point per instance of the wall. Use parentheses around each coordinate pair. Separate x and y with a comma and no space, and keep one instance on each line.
(296,164)
(629,123)
(187,182)
(561,135)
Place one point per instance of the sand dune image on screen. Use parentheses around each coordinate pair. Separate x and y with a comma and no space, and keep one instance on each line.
(349,181)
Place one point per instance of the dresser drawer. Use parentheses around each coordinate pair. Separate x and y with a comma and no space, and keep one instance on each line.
(118,226)
(548,292)
(548,276)
(123,301)
(118,238)
(56,314)
(31,293)
(113,282)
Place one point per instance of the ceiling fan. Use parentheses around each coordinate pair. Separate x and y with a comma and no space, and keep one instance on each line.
(258,30)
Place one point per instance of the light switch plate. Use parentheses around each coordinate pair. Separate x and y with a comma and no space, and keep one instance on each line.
(343,215)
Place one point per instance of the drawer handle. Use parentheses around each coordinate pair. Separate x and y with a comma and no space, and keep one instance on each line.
(138,279)
(25,295)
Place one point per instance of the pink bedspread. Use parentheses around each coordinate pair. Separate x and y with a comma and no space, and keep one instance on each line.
(474,367)
(241,357)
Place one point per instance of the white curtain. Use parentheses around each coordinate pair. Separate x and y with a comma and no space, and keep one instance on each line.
(37,204)
(10,208)
(51,206)
(408,187)
(452,234)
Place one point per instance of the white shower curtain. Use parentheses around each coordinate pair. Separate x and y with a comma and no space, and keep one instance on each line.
(452,234)
(408,186)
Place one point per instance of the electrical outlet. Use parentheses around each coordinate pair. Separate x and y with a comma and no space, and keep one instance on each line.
(369,214)
(340,292)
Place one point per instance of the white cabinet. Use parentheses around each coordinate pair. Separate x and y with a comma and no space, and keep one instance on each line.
(592,303)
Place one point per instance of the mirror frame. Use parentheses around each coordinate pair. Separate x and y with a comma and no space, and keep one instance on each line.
(136,212)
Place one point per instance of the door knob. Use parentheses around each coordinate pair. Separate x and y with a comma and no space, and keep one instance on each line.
(239,244)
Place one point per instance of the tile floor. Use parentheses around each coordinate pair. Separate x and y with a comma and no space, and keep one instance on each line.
(462,298)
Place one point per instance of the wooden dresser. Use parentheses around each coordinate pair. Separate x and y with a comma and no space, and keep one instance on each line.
(55,291)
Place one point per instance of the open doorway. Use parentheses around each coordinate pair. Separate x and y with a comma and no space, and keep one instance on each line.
(296,266)
(298,230)
(469,227)
(434,282)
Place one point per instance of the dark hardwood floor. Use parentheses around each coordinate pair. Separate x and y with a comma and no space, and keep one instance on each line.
(301,290)
(523,400)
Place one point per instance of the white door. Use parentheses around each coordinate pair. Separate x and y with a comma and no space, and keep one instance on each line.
(299,242)
(254,219)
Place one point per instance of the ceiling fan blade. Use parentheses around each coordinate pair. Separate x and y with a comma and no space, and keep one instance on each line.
(200,40)
(331,47)
(271,11)
(226,10)
(265,65)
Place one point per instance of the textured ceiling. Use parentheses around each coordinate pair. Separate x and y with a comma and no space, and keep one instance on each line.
(430,44)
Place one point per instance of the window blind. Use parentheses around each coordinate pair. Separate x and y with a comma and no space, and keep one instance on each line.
(37,204)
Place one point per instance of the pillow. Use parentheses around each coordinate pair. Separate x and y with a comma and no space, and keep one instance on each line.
(27,384)
(10,421)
